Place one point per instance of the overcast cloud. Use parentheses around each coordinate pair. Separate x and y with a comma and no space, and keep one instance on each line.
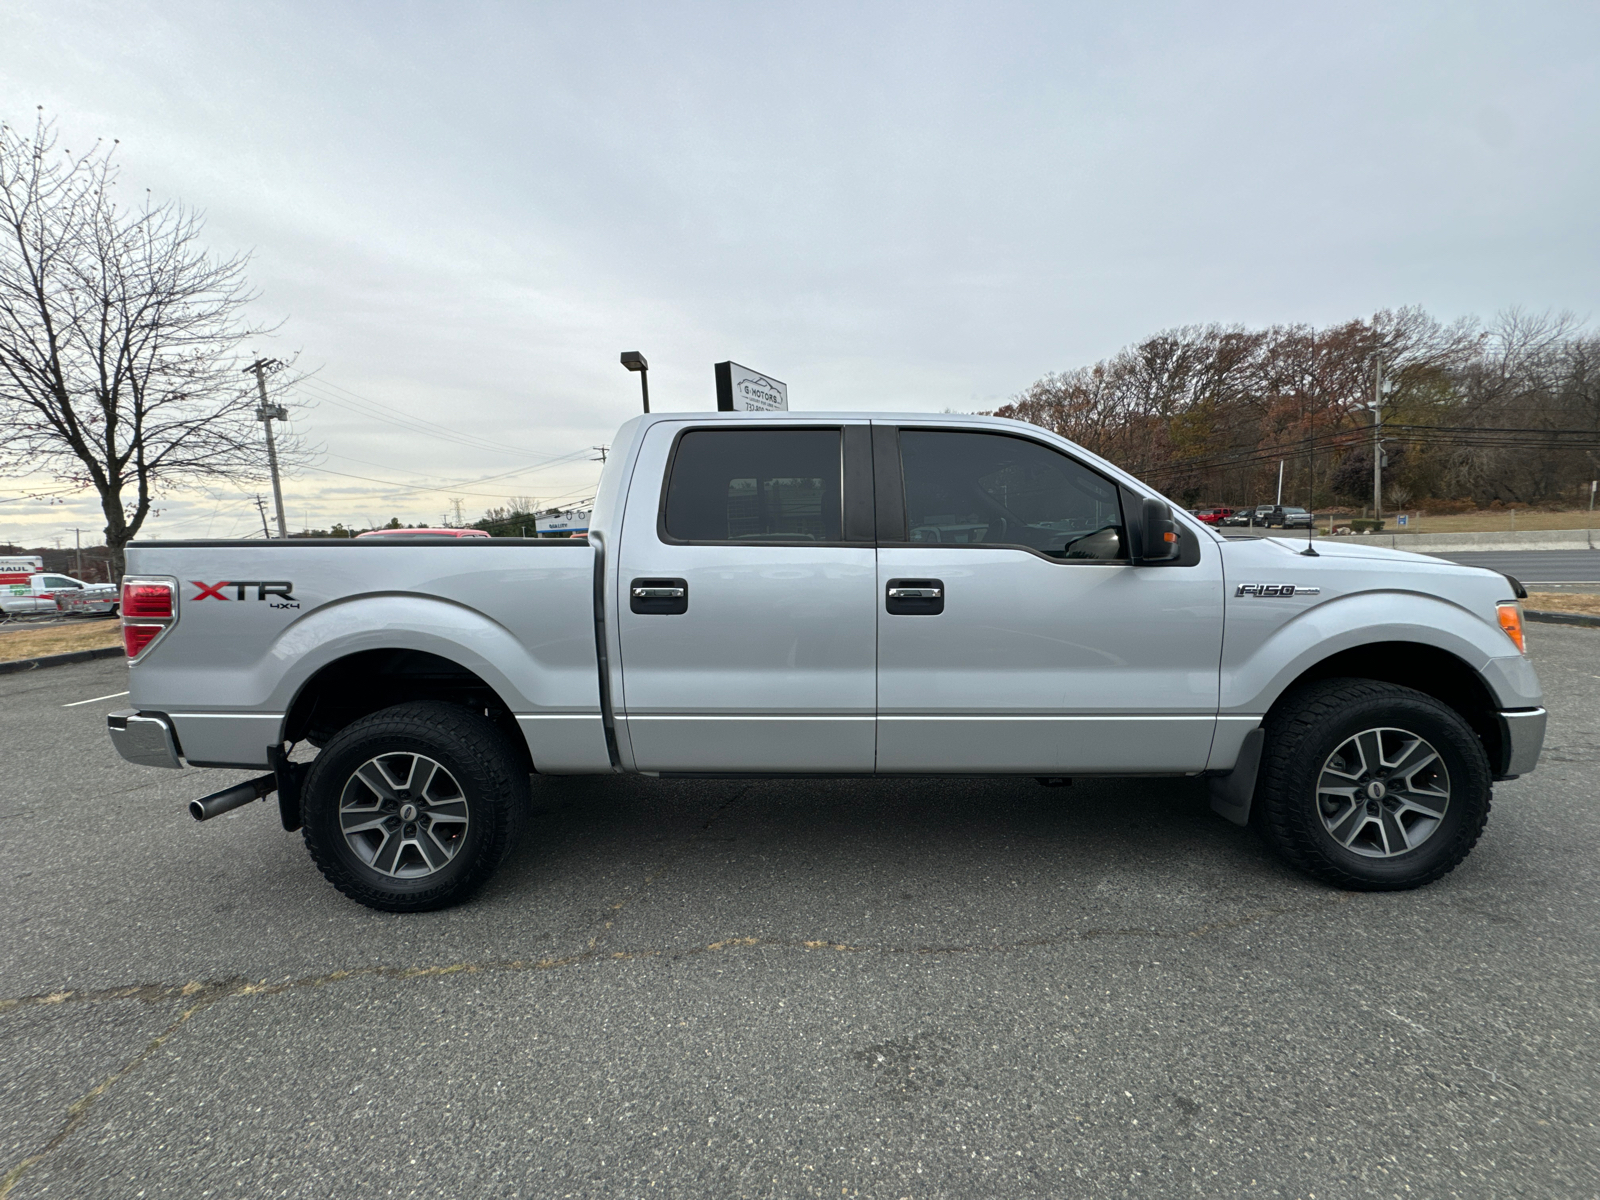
(464,212)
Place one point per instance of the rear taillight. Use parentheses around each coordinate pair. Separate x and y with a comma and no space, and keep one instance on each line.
(147,600)
(148,611)
(136,637)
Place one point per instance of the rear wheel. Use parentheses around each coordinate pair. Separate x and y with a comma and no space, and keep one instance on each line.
(412,808)
(1371,786)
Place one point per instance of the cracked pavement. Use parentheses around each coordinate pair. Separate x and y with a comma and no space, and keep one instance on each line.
(924,988)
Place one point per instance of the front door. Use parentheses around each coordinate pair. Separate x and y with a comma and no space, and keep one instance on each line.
(746,607)
(1015,634)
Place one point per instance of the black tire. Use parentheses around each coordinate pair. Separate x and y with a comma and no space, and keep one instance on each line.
(478,806)
(1294,809)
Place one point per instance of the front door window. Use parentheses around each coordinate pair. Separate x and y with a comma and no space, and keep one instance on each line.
(990,489)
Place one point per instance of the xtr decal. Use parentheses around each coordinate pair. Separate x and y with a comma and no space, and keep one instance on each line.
(282,589)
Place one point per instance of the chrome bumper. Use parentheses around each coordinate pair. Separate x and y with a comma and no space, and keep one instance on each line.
(143,738)
(1522,737)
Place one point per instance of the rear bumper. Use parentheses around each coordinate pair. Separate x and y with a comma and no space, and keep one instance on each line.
(1521,739)
(143,738)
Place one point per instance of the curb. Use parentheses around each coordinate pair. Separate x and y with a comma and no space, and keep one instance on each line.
(1563,618)
(62,660)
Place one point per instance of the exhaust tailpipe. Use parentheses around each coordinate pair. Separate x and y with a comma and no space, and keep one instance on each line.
(228,799)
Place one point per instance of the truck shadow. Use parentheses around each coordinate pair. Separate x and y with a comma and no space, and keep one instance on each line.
(776,841)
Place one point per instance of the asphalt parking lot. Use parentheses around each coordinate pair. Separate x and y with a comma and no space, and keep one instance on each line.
(923,988)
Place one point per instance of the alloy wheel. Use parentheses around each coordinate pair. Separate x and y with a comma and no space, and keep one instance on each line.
(404,815)
(1383,792)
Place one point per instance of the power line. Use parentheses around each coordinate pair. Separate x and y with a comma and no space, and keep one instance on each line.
(367,407)
(454,488)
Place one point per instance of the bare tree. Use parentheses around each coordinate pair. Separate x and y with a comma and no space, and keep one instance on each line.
(121,339)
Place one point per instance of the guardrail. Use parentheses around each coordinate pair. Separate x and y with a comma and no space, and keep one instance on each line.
(1506,539)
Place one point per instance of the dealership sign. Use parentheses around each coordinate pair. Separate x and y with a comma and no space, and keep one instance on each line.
(739,389)
(573,520)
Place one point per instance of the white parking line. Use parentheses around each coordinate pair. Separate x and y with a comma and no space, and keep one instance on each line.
(112,696)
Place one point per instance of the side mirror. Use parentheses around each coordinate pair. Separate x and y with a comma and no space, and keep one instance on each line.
(1160,533)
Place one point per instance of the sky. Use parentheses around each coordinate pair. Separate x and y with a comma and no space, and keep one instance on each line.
(460,214)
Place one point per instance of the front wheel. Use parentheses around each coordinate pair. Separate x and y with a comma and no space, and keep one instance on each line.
(412,808)
(1371,786)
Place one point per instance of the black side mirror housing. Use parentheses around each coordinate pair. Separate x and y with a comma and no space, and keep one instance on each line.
(1161,543)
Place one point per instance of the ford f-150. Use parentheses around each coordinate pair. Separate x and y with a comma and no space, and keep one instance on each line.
(844,594)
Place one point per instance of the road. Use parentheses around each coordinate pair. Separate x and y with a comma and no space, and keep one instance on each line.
(1533,567)
(1529,566)
(857,988)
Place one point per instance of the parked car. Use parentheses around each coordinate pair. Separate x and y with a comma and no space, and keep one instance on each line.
(413,534)
(1288,517)
(1212,516)
(846,594)
(1266,516)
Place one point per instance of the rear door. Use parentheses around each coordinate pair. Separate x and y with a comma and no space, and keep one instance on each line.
(746,614)
(1014,632)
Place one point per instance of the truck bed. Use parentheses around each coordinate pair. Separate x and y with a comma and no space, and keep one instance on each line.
(257,620)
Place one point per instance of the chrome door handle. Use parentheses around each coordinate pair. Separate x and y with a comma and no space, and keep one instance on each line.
(914,597)
(658,597)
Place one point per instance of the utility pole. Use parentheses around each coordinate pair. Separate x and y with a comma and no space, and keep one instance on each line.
(261,505)
(266,414)
(1377,438)
(77,542)
(1280,483)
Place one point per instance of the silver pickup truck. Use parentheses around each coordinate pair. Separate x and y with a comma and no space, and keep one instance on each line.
(833,594)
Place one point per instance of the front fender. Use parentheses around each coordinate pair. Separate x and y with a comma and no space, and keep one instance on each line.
(1262,658)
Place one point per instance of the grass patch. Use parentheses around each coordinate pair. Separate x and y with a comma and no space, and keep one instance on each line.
(1563,602)
(21,642)
(1490,521)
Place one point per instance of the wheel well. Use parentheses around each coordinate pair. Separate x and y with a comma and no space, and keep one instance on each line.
(1438,673)
(350,688)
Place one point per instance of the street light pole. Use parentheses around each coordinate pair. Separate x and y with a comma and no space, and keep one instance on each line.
(635,361)
(266,414)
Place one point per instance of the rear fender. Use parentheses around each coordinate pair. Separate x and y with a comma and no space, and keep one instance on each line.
(400,621)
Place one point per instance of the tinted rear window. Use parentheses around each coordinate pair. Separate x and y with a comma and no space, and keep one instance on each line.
(755,485)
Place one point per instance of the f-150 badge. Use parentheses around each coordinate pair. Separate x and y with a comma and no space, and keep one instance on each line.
(1274,589)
